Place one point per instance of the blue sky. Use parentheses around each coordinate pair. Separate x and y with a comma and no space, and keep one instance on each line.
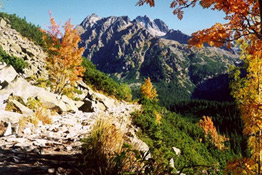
(36,12)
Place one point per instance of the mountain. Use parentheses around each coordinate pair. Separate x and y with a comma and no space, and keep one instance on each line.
(131,50)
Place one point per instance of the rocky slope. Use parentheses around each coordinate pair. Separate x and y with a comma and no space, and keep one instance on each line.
(30,146)
(133,50)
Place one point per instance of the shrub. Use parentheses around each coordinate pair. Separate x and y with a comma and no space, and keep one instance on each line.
(100,147)
(18,63)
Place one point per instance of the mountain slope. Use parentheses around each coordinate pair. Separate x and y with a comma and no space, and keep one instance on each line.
(133,50)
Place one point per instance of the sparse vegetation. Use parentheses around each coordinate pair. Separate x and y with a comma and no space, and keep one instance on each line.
(18,63)
(103,82)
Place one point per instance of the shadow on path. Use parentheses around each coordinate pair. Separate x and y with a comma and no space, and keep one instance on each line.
(13,162)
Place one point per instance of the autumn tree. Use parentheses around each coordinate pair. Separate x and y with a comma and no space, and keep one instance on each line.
(247,92)
(64,56)
(147,90)
(208,126)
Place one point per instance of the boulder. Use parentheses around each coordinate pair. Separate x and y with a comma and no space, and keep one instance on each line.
(8,130)
(7,73)
(177,151)
(22,108)
(11,117)
(20,87)
(2,22)
(106,101)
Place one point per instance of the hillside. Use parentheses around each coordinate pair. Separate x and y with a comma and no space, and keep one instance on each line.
(133,50)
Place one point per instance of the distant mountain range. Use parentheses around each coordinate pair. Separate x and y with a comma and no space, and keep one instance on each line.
(131,50)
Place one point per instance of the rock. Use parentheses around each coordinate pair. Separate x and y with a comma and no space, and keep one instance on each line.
(69,103)
(69,148)
(22,108)
(13,43)
(51,170)
(27,131)
(177,151)
(20,87)
(8,130)
(2,22)
(100,98)
(7,74)
(40,142)
(16,48)
(171,163)
(11,117)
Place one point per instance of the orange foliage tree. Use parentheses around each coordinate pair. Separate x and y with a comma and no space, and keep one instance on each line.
(147,90)
(207,125)
(244,23)
(64,56)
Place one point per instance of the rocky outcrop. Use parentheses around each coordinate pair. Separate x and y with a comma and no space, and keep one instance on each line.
(15,44)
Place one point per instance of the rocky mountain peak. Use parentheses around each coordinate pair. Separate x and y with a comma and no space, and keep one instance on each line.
(161,25)
(155,27)
(90,20)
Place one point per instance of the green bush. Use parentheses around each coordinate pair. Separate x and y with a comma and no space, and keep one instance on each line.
(102,82)
(18,63)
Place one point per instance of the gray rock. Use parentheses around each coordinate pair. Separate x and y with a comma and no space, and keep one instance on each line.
(23,109)
(16,48)
(20,87)
(176,150)
(11,117)
(7,74)
(2,22)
